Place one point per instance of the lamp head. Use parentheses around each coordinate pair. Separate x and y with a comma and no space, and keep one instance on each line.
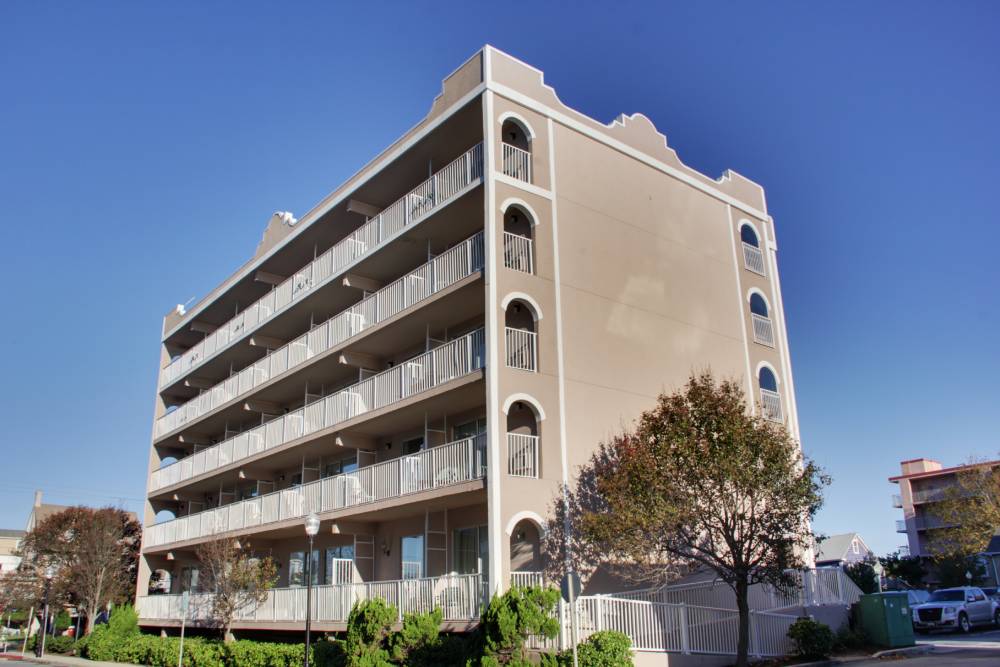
(312,524)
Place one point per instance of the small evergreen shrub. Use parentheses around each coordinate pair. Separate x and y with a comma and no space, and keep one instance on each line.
(57,644)
(812,639)
(368,628)
(510,619)
(606,648)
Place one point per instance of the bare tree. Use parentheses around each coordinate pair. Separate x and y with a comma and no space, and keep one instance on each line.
(94,553)
(238,580)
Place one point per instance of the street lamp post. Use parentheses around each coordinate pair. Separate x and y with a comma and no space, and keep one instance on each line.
(312,527)
(40,645)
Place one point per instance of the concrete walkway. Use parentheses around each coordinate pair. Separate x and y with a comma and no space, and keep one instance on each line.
(60,660)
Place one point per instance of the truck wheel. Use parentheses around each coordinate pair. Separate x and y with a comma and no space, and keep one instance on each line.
(963,623)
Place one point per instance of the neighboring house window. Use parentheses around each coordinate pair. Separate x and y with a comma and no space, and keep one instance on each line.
(855,547)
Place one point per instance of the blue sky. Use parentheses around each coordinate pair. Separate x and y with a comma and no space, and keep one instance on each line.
(143,147)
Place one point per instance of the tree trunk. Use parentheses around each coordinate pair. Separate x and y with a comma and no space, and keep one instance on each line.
(91,615)
(743,641)
(227,632)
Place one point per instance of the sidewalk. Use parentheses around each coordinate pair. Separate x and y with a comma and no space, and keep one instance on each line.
(61,660)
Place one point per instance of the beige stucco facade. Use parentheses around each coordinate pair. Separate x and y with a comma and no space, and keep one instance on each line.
(579,269)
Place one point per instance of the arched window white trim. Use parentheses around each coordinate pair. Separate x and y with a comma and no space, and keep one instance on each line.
(536,310)
(767,304)
(520,120)
(764,364)
(521,204)
(524,398)
(533,517)
(747,223)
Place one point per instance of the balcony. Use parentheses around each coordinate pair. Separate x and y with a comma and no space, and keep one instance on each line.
(900,526)
(753,258)
(447,362)
(897,500)
(524,579)
(522,455)
(770,403)
(434,468)
(441,272)
(928,495)
(516,162)
(517,253)
(409,210)
(459,596)
(522,349)
(763,332)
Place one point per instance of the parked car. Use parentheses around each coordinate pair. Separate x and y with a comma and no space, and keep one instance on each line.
(992,592)
(956,608)
(917,596)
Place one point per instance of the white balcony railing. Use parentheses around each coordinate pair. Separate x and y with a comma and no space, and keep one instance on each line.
(522,349)
(463,172)
(753,259)
(770,403)
(444,270)
(900,526)
(459,596)
(517,253)
(522,455)
(527,578)
(763,332)
(897,500)
(342,571)
(447,362)
(437,467)
(516,163)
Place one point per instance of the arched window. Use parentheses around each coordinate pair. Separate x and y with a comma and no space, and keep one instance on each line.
(518,228)
(516,144)
(522,440)
(753,259)
(522,345)
(763,331)
(770,399)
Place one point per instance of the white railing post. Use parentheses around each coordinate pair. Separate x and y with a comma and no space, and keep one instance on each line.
(685,632)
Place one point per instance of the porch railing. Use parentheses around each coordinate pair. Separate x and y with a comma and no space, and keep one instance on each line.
(516,162)
(437,467)
(444,270)
(763,332)
(517,253)
(770,402)
(753,258)
(459,597)
(527,578)
(522,349)
(449,361)
(460,174)
(522,455)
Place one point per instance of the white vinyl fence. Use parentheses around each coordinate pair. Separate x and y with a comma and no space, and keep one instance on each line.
(445,465)
(460,174)
(420,284)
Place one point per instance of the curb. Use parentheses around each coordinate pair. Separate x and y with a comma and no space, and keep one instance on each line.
(920,649)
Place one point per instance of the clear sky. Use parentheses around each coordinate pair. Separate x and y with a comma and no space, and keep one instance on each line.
(143,147)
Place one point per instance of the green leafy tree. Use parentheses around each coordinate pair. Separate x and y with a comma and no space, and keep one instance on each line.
(238,580)
(951,570)
(699,481)
(908,569)
(863,574)
(969,513)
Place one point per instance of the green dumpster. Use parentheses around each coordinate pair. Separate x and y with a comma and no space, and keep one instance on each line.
(886,618)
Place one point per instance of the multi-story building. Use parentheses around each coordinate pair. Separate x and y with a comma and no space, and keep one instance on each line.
(424,357)
(922,483)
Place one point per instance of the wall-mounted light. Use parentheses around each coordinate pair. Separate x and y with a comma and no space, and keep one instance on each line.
(385,548)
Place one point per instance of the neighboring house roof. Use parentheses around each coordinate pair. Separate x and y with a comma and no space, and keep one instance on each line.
(10,532)
(835,548)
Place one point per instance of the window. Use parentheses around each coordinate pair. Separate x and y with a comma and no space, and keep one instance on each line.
(297,479)
(855,547)
(470,429)
(344,465)
(189,580)
(749,236)
(757,305)
(414,446)
(412,555)
(471,547)
(767,380)
(296,568)
(334,564)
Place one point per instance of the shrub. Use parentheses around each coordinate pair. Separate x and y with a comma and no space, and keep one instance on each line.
(511,618)
(368,628)
(57,644)
(851,639)
(812,639)
(606,648)
(329,653)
